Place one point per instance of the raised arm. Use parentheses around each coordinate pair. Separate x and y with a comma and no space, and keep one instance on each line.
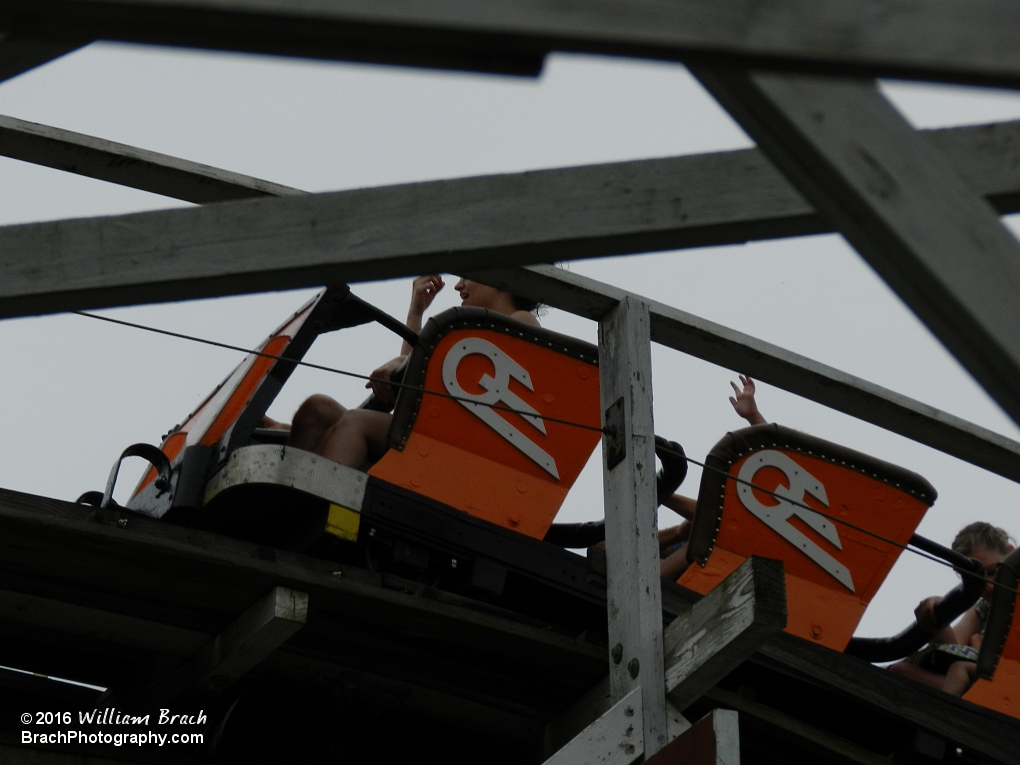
(743,401)
(423,291)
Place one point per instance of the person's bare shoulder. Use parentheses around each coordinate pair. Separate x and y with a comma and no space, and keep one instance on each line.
(526,317)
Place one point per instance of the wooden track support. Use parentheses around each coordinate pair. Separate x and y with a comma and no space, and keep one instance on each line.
(633,597)
(229,655)
(701,647)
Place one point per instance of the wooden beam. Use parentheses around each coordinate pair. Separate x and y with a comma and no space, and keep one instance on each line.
(259,631)
(726,197)
(770,363)
(471,223)
(613,739)
(95,624)
(723,629)
(20,53)
(978,41)
(633,594)
(935,242)
(127,165)
(712,740)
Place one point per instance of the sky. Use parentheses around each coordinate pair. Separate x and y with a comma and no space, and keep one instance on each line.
(75,392)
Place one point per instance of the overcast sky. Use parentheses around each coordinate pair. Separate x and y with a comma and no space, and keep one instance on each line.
(75,392)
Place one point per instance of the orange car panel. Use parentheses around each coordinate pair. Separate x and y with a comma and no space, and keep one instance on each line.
(833,564)
(505,468)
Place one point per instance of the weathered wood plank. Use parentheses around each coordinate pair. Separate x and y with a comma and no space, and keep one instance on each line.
(127,165)
(612,739)
(403,230)
(723,629)
(20,53)
(84,622)
(712,740)
(935,242)
(634,599)
(798,374)
(726,197)
(938,39)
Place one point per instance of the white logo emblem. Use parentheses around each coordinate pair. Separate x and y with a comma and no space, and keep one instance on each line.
(777,517)
(497,390)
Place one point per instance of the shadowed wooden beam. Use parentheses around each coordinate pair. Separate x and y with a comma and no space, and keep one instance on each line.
(995,736)
(977,41)
(825,744)
(259,631)
(20,53)
(938,245)
(790,371)
(128,166)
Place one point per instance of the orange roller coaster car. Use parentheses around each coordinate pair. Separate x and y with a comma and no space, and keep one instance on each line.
(484,446)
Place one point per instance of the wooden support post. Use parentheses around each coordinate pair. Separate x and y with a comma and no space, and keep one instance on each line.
(713,740)
(632,551)
(251,638)
(897,200)
(723,629)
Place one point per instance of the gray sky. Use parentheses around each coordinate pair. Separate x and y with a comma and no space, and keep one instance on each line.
(75,392)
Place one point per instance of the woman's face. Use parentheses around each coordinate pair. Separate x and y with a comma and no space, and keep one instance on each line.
(991,560)
(477,295)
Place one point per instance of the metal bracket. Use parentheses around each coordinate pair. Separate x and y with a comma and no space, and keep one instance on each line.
(615,441)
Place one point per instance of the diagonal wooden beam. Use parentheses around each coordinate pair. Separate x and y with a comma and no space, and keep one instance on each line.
(20,53)
(470,223)
(977,41)
(127,165)
(613,739)
(770,363)
(724,197)
(939,245)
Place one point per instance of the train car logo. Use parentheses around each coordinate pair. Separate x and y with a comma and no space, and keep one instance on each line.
(777,517)
(497,392)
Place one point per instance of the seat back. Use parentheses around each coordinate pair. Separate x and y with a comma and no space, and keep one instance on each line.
(998,686)
(463,449)
(836,518)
